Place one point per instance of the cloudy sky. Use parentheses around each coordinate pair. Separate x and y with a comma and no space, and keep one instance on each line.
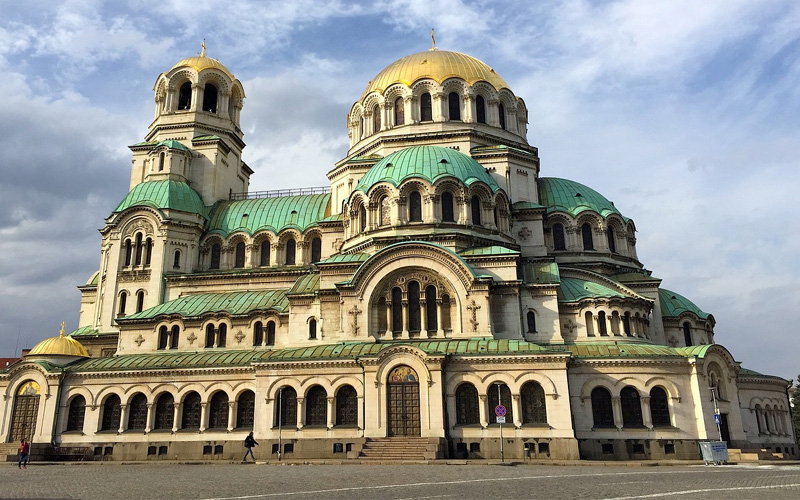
(686,114)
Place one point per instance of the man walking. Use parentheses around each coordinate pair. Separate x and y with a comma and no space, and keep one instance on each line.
(249,442)
(24,453)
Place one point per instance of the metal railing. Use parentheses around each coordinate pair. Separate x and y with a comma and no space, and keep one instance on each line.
(280,192)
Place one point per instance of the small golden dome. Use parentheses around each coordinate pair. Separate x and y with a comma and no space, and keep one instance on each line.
(201,62)
(59,346)
(438,65)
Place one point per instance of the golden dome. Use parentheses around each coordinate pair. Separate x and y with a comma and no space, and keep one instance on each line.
(201,62)
(438,65)
(59,346)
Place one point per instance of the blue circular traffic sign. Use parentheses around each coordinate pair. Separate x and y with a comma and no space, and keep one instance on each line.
(500,410)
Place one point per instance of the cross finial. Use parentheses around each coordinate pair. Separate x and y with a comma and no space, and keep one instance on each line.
(63,324)
(433,41)
(203,45)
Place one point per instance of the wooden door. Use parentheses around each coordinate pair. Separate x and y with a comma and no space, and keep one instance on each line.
(403,402)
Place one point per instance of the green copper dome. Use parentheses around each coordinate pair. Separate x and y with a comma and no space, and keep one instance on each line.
(172,195)
(673,305)
(430,163)
(562,195)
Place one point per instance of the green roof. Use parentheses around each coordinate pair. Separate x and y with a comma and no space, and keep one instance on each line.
(673,305)
(305,284)
(233,303)
(164,194)
(490,250)
(562,195)
(346,257)
(430,163)
(633,277)
(274,214)
(84,331)
(540,273)
(525,205)
(172,144)
(624,350)
(575,289)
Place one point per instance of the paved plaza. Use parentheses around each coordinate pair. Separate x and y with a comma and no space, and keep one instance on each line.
(395,482)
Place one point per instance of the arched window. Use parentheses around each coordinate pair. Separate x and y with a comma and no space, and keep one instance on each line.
(216,250)
(589,320)
(559,242)
(430,309)
(659,409)
(264,254)
(112,411)
(759,418)
(137,413)
(161,158)
(414,316)
(138,260)
(586,233)
(467,411)
(123,299)
(246,410)
(602,324)
(139,301)
(128,252)
(362,217)
(239,261)
(162,337)
(475,204)
(173,337)
(501,112)
(382,317)
(190,419)
(316,250)
(612,242)
(531,317)
(480,109)
(291,247)
(631,407)
(505,400)
(399,112)
(312,329)
(210,335)
(446,325)
(626,324)
(454,106)
(397,310)
(218,411)
(385,211)
(376,119)
(258,334)
(534,407)
(221,336)
(176,260)
(317,406)
(210,98)
(715,381)
(346,406)
(602,413)
(270,333)
(77,411)
(165,412)
(425,108)
(287,401)
(185,96)
(415,207)
(687,335)
(448,212)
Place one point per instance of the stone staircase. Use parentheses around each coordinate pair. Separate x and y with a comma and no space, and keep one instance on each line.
(8,451)
(401,448)
(752,455)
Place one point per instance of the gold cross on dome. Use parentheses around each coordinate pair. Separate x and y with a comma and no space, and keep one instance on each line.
(63,324)
(203,45)
(433,41)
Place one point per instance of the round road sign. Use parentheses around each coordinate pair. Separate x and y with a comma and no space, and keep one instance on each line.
(500,410)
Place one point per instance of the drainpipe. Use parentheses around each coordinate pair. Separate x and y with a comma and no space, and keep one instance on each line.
(363,394)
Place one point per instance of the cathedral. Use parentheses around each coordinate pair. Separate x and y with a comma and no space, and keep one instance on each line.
(440,298)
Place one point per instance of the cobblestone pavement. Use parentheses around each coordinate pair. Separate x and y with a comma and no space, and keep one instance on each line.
(395,482)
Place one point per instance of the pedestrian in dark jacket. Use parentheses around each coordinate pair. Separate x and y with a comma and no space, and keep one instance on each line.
(249,442)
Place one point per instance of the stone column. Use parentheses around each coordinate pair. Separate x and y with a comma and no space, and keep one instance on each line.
(203,416)
(482,413)
(405,319)
(423,314)
(331,413)
(516,409)
(616,406)
(440,328)
(231,414)
(273,254)
(301,412)
(438,102)
(647,417)
(412,109)
(388,318)
(176,414)
(169,100)
(123,418)
(150,414)
(196,95)
(469,109)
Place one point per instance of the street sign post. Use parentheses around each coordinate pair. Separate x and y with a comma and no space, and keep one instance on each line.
(500,413)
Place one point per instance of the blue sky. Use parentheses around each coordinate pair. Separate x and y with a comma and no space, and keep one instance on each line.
(684,113)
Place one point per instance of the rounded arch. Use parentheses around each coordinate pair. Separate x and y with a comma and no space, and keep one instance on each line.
(673,391)
(595,382)
(543,380)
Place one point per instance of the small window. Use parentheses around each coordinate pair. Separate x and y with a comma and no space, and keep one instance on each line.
(161,158)
(475,204)
(454,105)
(216,250)
(669,449)
(162,450)
(544,449)
(128,252)
(148,251)
(312,329)
(77,411)
(602,324)
(290,251)
(138,261)
(176,260)
(480,109)
(531,317)
(221,337)
(270,333)
(448,212)
(586,233)
(240,251)
(638,449)
(123,299)
(210,98)
(185,96)
(362,217)
(608,448)
(162,337)
(425,108)
(258,334)
(139,301)
(316,250)
(174,336)
(475,447)
(631,407)
(612,242)
(415,207)
(210,335)
(376,119)
(559,242)
(687,335)
(399,112)
(265,249)
(501,112)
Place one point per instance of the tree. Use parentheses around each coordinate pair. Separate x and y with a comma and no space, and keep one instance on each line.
(795,401)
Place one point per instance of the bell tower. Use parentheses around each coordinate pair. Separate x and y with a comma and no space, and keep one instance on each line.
(196,135)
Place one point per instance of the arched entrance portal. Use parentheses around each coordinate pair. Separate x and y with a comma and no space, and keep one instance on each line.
(403,405)
(26,408)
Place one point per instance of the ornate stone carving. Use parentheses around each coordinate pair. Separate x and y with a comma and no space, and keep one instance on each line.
(139,340)
(191,338)
(524,234)
(354,312)
(570,326)
(473,308)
